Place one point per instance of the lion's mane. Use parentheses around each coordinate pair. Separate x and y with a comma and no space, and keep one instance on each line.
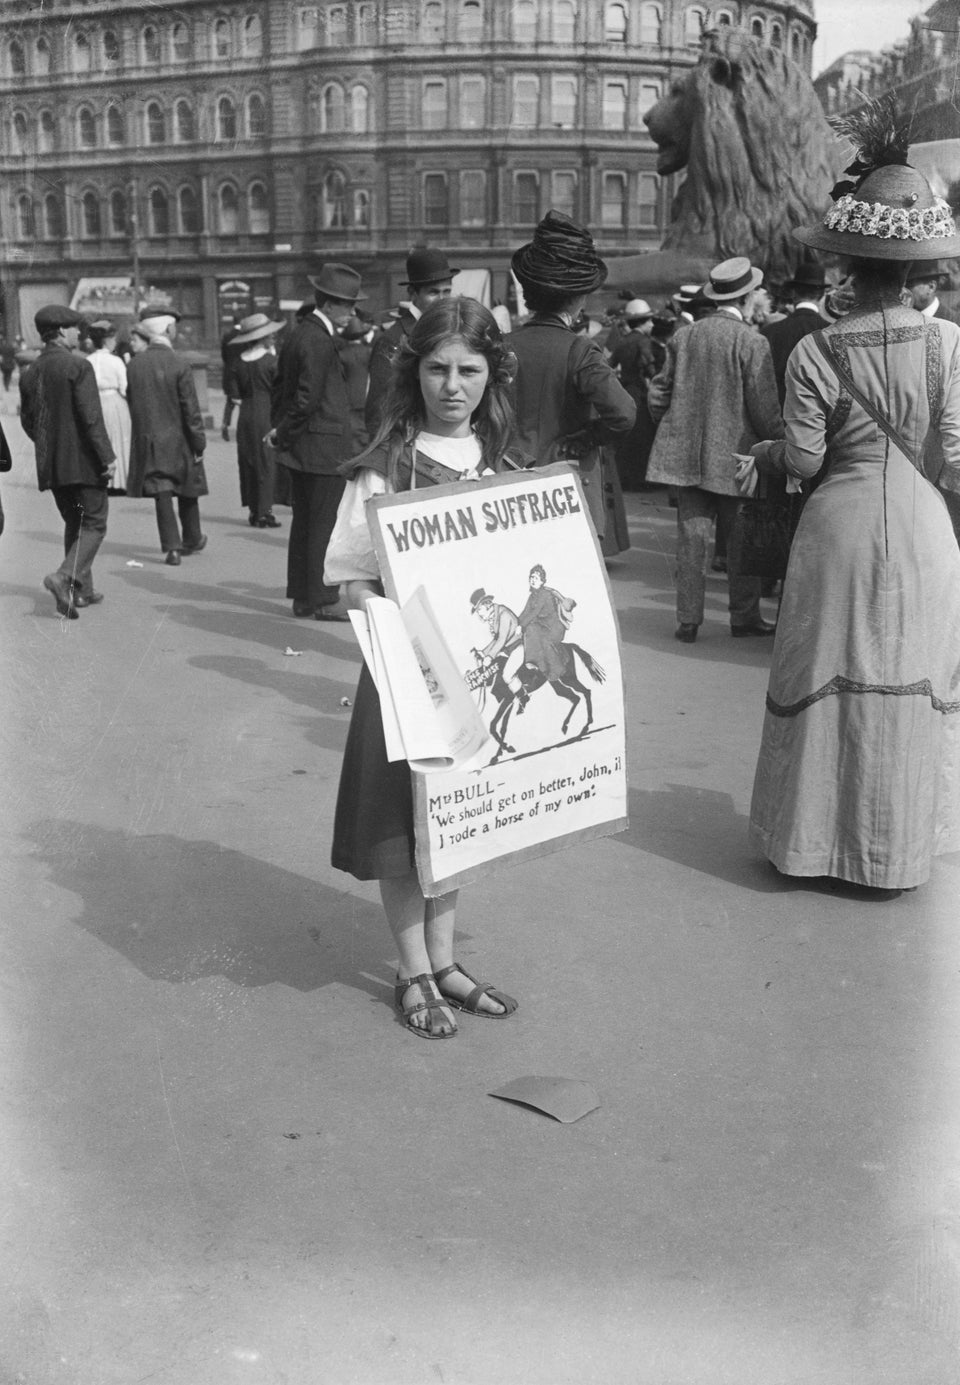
(761,158)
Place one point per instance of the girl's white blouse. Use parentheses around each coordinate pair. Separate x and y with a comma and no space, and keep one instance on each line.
(110,371)
(350,554)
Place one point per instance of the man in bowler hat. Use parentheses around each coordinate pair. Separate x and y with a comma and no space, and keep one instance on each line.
(806,288)
(429,277)
(60,412)
(923,283)
(310,417)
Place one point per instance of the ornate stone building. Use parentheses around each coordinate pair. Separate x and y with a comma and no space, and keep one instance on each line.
(218,152)
(922,71)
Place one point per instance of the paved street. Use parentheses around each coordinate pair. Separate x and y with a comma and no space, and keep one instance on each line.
(226,1163)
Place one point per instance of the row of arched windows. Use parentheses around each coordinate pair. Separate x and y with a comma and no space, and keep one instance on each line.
(335,109)
(339,206)
(158,125)
(93,50)
(235,212)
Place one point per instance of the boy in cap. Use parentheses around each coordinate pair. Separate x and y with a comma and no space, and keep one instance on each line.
(60,412)
(429,277)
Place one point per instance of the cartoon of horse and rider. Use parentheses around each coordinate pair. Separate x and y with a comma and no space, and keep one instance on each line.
(527,652)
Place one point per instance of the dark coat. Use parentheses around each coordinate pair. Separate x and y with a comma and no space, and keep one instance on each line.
(564,386)
(310,410)
(60,412)
(167,435)
(382,356)
(783,336)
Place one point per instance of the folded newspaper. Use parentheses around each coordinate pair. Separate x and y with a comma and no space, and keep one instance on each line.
(429,715)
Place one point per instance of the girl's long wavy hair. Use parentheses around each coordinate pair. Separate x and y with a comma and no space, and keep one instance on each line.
(446,320)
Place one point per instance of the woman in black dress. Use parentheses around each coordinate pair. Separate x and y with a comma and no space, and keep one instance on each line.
(448,418)
(253,375)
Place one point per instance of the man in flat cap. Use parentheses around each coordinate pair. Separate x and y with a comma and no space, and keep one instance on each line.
(168,438)
(60,412)
(429,277)
(310,417)
(715,396)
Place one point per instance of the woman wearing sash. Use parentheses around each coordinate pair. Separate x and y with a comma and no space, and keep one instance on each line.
(859,769)
(448,418)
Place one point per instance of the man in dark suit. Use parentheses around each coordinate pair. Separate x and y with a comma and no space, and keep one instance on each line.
(168,439)
(310,414)
(806,289)
(60,412)
(429,277)
(923,283)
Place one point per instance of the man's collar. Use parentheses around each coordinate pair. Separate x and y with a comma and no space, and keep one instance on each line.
(325,320)
(160,341)
(729,308)
(806,303)
(931,309)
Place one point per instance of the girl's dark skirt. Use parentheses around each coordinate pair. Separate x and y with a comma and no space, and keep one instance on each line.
(373,837)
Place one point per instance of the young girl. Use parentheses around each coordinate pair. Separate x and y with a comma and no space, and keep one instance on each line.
(448,418)
(111,376)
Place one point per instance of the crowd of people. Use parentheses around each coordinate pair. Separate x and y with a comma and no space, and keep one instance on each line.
(846,396)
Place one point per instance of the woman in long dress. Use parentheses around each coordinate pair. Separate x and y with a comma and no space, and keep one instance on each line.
(111,376)
(859,769)
(448,419)
(254,371)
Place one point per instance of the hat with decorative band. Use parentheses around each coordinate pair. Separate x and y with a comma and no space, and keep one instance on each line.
(56,315)
(732,279)
(427,266)
(338,281)
(637,310)
(254,327)
(885,210)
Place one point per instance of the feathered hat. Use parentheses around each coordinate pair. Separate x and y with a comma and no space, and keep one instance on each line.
(885,209)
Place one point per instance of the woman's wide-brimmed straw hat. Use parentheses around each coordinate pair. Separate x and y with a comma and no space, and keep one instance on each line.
(561,256)
(254,327)
(889,211)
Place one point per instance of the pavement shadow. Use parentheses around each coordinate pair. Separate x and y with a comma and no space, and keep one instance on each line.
(699,828)
(182,910)
(649,630)
(322,696)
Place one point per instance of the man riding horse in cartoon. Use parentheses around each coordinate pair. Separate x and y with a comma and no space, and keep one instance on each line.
(506,645)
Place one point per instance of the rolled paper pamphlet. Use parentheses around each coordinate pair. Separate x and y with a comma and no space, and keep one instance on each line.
(430,718)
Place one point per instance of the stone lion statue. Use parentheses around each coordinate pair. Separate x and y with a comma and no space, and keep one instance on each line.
(746,124)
